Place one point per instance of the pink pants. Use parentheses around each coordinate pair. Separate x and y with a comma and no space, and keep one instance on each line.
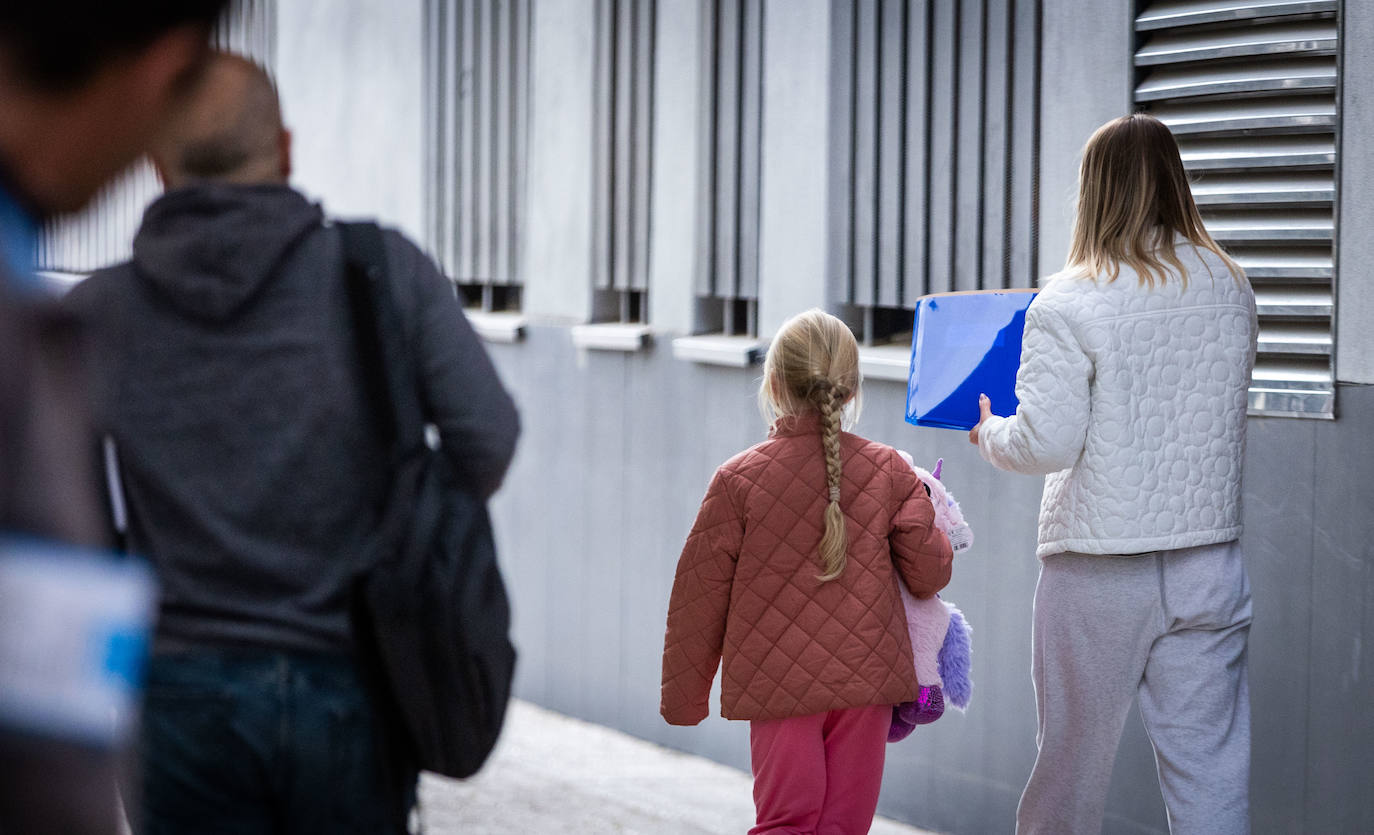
(820,773)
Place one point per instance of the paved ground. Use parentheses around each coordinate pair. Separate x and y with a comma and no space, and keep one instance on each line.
(552,774)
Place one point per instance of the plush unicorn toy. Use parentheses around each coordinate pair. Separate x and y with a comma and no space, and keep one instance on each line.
(940,644)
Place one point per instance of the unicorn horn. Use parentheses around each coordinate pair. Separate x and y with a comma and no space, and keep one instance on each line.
(939,464)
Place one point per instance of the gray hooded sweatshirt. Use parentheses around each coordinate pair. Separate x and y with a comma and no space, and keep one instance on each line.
(232,388)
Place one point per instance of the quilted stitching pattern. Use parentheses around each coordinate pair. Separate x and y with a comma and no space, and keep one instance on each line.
(1133,402)
(746,591)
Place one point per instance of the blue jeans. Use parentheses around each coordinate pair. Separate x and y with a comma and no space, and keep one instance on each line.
(262,742)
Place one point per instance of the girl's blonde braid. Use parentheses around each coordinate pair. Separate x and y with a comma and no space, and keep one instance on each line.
(830,399)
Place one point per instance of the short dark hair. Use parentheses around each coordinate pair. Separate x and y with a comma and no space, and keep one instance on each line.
(60,45)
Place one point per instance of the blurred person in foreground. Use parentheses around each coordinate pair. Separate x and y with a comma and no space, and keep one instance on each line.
(83,89)
(254,472)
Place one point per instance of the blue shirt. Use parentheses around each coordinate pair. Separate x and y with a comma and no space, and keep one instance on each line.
(18,243)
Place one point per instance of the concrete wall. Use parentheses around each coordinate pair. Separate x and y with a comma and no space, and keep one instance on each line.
(350,80)
(617,452)
(795,155)
(618,447)
(557,245)
(680,98)
(1086,81)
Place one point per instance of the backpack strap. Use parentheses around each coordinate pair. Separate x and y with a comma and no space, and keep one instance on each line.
(118,318)
(390,369)
(389,379)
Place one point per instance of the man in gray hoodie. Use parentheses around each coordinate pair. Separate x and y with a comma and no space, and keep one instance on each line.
(253,473)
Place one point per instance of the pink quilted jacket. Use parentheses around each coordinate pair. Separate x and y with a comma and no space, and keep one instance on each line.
(746,588)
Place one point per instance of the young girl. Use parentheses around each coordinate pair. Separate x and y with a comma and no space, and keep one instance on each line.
(790,576)
(1132,387)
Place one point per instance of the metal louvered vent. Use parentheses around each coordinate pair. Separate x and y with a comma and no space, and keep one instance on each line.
(1249,88)
(622,114)
(727,270)
(476,93)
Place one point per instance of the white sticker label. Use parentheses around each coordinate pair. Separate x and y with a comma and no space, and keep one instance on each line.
(73,639)
(960,538)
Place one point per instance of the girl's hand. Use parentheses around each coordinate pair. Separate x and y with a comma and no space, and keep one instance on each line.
(984,412)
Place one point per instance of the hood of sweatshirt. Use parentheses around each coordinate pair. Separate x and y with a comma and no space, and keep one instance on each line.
(208,249)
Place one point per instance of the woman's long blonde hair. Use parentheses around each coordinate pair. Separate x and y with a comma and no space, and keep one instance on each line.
(1133,199)
(813,367)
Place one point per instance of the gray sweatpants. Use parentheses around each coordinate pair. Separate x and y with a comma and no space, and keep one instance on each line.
(1169,628)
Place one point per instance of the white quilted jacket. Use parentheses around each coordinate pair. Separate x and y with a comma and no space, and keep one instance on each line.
(1133,402)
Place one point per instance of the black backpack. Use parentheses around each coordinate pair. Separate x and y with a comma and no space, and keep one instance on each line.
(430,615)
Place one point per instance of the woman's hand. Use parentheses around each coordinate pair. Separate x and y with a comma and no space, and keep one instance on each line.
(984,412)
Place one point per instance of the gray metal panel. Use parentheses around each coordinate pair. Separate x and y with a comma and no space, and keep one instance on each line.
(520,145)
(453,89)
(729,221)
(249,27)
(1340,732)
(891,164)
(1296,338)
(840,171)
(996,143)
(603,160)
(750,139)
(1291,226)
(944,53)
(484,67)
(643,144)
(502,79)
(445,179)
(704,271)
(1265,189)
(466,145)
(1246,79)
(863,246)
(728,16)
(622,144)
(1292,263)
(1288,114)
(1168,15)
(476,85)
(969,193)
(1295,302)
(1023,200)
(1355,351)
(430,117)
(1292,153)
(1306,38)
(1281,590)
(916,170)
(934,147)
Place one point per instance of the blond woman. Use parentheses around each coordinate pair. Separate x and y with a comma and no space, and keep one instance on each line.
(1132,387)
(790,577)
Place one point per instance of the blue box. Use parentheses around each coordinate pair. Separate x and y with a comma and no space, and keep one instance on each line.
(964,344)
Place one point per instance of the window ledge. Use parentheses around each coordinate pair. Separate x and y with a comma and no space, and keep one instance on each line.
(719,349)
(612,336)
(497,327)
(885,362)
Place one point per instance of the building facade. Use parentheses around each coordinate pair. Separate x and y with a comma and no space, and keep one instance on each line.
(633,194)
